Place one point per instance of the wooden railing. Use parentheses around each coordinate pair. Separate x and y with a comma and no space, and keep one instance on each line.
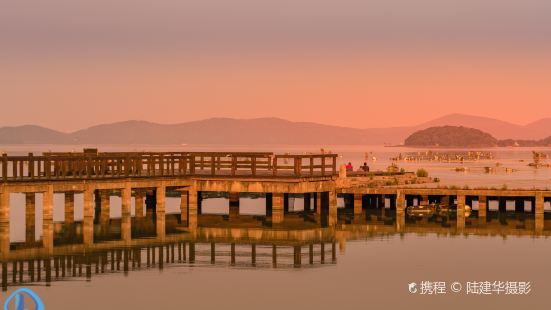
(65,166)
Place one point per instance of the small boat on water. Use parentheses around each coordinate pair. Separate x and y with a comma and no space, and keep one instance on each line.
(421,210)
(442,209)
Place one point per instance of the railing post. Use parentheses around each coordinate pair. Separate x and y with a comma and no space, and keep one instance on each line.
(212,165)
(30,171)
(298,166)
(311,165)
(127,165)
(334,165)
(88,160)
(233,164)
(14,168)
(322,165)
(253,165)
(275,165)
(48,167)
(162,164)
(192,164)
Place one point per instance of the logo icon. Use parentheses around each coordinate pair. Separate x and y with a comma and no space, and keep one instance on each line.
(22,298)
(412,287)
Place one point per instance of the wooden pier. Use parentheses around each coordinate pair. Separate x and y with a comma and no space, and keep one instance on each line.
(144,180)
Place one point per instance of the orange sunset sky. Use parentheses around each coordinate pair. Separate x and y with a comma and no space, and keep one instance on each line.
(72,64)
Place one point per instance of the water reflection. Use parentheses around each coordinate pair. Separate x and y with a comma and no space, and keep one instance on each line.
(241,241)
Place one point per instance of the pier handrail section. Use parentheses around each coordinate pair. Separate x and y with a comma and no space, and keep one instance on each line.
(71,166)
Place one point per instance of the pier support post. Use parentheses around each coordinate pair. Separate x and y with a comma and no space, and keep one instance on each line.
(4,222)
(358,200)
(139,200)
(400,201)
(126,215)
(277,207)
(307,201)
(69,208)
(192,209)
(482,206)
(297,255)
(150,203)
(539,212)
(30,217)
(160,212)
(318,203)
(539,203)
(88,218)
(234,205)
(184,207)
(332,221)
(105,207)
(460,212)
(502,204)
(48,219)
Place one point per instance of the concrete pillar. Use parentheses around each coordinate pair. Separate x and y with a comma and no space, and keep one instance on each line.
(192,209)
(274,256)
(69,208)
(184,207)
(460,212)
(160,214)
(400,201)
(319,203)
(482,206)
(502,204)
(139,200)
(297,256)
(358,200)
(150,203)
(48,219)
(88,219)
(307,201)
(212,253)
(539,203)
(332,220)
(234,205)
(126,215)
(30,217)
(105,207)
(232,254)
(4,223)
(277,208)
(253,254)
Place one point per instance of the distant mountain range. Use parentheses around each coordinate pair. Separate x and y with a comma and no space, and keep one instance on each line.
(260,131)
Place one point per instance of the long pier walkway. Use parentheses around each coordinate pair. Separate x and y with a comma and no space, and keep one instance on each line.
(143,181)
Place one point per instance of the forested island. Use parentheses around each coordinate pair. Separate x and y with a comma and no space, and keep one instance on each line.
(459,136)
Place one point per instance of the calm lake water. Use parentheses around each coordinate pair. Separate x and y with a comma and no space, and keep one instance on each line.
(367,261)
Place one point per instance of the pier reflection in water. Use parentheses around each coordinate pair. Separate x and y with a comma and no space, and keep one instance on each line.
(236,241)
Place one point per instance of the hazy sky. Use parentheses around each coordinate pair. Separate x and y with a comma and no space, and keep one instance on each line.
(69,64)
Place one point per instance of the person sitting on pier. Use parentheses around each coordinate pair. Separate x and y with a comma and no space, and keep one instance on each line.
(349,167)
(365,167)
